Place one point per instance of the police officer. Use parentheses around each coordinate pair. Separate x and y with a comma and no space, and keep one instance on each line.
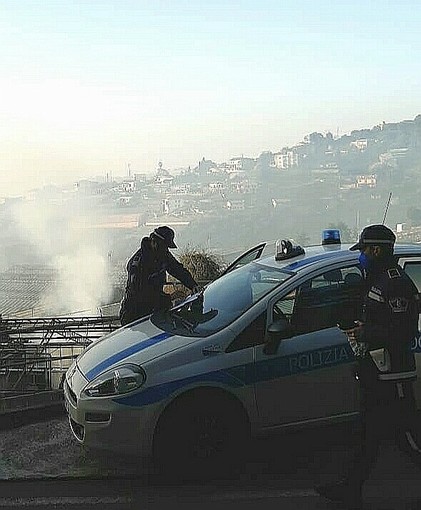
(146,276)
(386,365)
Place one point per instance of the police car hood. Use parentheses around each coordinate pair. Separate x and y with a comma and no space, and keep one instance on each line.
(137,343)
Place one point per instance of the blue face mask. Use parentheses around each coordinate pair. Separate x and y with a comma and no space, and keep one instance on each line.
(365,261)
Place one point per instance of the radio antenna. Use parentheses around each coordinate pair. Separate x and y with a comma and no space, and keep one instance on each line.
(387,208)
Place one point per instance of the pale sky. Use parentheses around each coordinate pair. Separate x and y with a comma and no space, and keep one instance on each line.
(88,86)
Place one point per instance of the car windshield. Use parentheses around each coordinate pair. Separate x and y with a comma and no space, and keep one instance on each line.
(222,301)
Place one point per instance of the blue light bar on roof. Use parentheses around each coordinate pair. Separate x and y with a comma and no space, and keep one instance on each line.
(331,236)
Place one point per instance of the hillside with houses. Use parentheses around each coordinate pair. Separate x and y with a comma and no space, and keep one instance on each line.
(85,232)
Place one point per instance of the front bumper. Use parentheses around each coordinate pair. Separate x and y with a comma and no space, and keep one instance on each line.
(102,423)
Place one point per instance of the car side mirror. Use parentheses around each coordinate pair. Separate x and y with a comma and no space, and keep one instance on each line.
(277,331)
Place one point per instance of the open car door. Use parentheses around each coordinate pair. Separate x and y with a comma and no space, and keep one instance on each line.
(248,256)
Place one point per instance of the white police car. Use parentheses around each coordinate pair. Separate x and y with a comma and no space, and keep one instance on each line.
(258,351)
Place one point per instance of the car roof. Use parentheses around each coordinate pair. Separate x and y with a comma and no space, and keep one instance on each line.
(320,256)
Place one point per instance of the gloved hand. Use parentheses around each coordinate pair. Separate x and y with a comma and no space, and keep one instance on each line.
(196,289)
(355,337)
(354,334)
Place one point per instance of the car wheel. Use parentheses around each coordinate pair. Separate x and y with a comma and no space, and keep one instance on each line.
(201,435)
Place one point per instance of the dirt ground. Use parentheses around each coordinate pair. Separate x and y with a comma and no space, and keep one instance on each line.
(48,449)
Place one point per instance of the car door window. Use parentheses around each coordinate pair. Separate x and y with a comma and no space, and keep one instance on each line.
(413,270)
(247,257)
(284,308)
(253,334)
(323,301)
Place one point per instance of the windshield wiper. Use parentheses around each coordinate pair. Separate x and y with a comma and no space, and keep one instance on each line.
(184,322)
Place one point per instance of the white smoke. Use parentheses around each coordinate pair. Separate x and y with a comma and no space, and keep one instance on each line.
(61,235)
(83,282)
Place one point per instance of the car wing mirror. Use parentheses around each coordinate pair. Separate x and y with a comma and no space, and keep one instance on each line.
(277,331)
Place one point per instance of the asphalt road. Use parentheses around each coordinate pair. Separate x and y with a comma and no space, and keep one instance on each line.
(279,473)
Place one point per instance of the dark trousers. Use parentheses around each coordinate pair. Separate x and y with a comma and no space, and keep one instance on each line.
(388,411)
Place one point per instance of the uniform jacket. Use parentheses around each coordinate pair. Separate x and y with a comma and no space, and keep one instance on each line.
(146,276)
(390,316)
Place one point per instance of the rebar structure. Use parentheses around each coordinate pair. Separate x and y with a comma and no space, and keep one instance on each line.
(36,352)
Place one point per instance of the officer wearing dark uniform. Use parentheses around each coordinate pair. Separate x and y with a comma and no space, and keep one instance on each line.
(382,343)
(146,276)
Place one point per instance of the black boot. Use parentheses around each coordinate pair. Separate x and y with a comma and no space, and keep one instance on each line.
(342,491)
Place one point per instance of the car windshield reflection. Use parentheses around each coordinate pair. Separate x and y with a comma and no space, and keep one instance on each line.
(221,302)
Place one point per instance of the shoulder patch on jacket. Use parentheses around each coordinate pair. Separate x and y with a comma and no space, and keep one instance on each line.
(394,273)
(399,304)
(376,296)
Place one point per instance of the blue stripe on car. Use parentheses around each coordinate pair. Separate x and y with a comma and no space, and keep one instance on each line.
(233,377)
(250,373)
(119,356)
(301,362)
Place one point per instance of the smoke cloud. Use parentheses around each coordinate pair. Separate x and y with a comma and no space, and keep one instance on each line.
(61,235)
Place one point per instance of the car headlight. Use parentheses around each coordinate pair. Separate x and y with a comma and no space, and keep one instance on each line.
(117,381)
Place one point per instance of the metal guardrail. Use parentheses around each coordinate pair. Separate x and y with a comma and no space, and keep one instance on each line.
(35,352)
(44,329)
(30,401)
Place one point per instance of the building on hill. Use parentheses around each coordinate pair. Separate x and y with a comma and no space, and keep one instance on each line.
(361,144)
(394,156)
(240,164)
(366,181)
(284,160)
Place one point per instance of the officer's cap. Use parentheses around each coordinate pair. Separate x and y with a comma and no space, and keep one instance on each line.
(375,235)
(166,234)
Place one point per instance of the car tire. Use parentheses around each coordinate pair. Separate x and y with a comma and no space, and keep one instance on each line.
(201,435)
